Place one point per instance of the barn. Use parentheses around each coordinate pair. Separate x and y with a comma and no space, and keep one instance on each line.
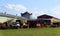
(44,21)
(48,21)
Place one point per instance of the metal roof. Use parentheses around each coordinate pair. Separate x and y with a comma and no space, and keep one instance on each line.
(5,17)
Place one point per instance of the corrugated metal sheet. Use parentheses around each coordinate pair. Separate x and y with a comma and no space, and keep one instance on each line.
(4,19)
(53,20)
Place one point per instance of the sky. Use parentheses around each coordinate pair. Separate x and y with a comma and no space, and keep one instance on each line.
(36,7)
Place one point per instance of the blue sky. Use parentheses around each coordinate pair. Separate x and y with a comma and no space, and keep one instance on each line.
(36,7)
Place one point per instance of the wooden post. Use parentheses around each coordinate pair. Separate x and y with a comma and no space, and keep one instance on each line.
(28,25)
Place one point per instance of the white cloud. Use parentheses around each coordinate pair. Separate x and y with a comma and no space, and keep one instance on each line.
(56,11)
(37,12)
(16,7)
(20,7)
(9,6)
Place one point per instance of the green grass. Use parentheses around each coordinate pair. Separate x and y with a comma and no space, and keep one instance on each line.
(31,32)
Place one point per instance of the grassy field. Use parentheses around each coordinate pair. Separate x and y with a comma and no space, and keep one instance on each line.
(31,32)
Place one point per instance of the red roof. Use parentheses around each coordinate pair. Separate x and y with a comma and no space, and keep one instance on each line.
(45,16)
